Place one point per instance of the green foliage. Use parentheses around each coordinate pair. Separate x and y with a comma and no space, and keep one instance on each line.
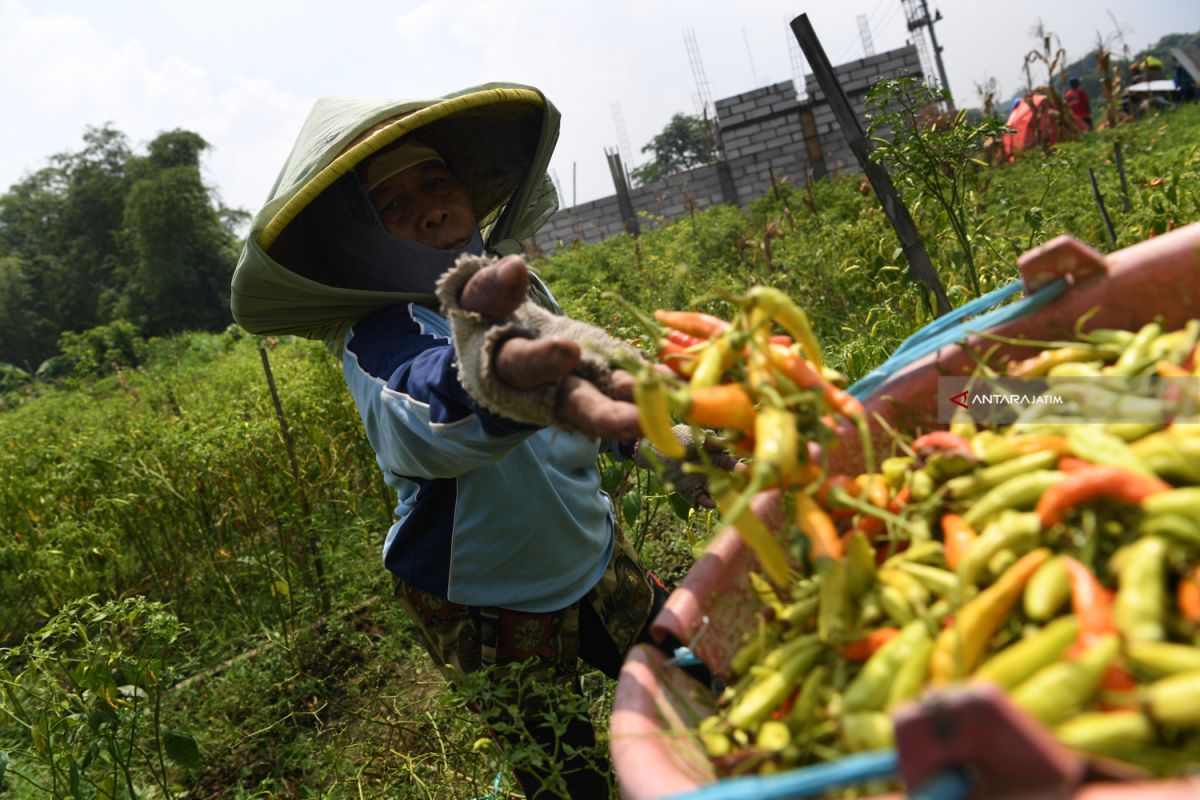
(81,703)
(681,145)
(937,157)
(101,350)
(103,235)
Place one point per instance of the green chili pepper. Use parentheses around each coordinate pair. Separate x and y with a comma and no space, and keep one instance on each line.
(870,688)
(833,614)
(771,689)
(1107,733)
(895,470)
(931,552)
(1047,590)
(1011,530)
(911,675)
(939,581)
(773,735)
(996,474)
(860,564)
(1163,658)
(1141,600)
(799,613)
(921,485)
(1137,354)
(913,589)
(800,717)
(1058,692)
(1176,527)
(1175,700)
(1185,501)
(1022,491)
(1170,456)
(867,730)
(1093,444)
(1018,662)
(749,653)
(896,605)
(785,652)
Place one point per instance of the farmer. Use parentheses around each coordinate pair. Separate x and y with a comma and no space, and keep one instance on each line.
(1077,100)
(504,549)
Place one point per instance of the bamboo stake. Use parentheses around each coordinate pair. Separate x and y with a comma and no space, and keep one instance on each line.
(313,553)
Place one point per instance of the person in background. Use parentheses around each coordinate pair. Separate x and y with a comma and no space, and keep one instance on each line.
(504,551)
(1077,101)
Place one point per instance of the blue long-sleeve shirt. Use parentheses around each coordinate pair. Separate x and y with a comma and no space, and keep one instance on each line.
(490,512)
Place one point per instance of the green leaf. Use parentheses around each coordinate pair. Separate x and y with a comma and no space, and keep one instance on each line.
(181,748)
(631,506)
(280,588)
(679,506)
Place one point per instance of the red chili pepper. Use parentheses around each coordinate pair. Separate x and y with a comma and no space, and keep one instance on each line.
(941,440)
(697,323)
(847,485)
(678,358)
(1098,481)
(684,339)
(1092,605)
(1072,464)
(864,648)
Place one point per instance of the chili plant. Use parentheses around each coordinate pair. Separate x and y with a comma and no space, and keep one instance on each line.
(82,703)
(934,154)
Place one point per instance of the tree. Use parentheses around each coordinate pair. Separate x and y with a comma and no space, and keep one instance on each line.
(102,235)
(682,144)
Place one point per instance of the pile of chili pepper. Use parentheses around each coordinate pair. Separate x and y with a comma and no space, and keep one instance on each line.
(1054,557)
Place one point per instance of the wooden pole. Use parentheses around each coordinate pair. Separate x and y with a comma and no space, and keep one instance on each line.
(1112,234)
(919,265)
(314,554)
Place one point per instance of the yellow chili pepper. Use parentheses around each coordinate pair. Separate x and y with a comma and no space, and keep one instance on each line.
(791,317)
(655,416)
(959,647)
(770,553)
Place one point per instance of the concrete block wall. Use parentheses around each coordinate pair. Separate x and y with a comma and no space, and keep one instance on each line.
(762,135)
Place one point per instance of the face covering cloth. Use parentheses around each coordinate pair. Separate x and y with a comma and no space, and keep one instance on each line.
(356,248)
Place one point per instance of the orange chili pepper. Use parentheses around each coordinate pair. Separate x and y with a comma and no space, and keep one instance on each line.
(814,523)
(800,372)
(1097,481)
(1092,605)
(1188,595)
(957,536)
(696,323)
(1072,464)
(726,405)
(864,648)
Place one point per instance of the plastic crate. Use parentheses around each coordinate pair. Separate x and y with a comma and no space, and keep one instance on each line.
(653,758)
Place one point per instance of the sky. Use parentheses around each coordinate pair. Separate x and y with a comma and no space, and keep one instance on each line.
(244,74)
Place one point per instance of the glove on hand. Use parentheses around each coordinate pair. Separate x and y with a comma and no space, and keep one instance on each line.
(692,487)
(477,339)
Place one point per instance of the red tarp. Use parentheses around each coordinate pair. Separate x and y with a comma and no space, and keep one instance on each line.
(1032,119)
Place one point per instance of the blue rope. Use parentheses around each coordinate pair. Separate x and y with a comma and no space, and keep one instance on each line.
(804,782)
(951,784)
(953,327)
